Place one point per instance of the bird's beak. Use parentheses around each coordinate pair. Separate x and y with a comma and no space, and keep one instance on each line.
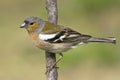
(23,25)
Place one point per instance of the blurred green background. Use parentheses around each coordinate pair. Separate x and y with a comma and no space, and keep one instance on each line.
(21,60)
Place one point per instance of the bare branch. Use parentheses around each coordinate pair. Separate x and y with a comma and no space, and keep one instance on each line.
(51,6)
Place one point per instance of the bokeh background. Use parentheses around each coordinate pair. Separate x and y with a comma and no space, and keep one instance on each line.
(21,60)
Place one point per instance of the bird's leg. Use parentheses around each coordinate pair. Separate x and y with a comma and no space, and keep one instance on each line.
(54,65)
(61,56)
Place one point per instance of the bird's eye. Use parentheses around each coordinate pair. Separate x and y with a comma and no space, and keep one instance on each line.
(32,23)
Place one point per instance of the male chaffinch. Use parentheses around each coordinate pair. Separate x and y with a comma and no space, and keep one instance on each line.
(55,38)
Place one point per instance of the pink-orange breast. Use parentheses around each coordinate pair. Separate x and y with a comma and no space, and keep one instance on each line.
(39,43)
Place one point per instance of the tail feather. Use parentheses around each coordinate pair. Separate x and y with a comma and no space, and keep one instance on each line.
(103,40)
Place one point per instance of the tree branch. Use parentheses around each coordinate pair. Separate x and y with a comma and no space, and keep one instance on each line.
(51,6)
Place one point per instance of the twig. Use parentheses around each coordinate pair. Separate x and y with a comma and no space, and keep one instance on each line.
(51,6)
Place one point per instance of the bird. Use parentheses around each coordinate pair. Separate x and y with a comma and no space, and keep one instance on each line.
(55,38)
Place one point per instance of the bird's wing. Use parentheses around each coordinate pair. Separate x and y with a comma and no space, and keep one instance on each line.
(66,35)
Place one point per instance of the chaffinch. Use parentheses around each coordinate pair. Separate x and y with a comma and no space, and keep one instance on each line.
(55,38)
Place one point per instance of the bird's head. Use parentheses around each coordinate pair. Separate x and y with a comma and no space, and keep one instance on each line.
(32,24)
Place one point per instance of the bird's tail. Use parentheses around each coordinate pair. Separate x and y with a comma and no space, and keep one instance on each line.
(103,40)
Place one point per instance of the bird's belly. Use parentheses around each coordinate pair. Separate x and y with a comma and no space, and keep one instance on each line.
(60,47)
